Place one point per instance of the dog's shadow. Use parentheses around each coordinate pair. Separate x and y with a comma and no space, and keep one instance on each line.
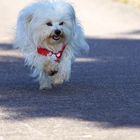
(103,88)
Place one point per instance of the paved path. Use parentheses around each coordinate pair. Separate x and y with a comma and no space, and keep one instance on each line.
(102,100)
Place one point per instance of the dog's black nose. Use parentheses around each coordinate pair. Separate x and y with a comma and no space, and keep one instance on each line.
(57,32)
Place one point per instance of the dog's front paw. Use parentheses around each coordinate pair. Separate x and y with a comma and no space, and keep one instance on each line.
(51,68)
(44,85)
(58,81)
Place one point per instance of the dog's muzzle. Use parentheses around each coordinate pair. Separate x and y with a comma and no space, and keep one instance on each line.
(57,35)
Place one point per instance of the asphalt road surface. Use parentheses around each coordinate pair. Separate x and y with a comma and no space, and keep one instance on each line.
(102,99)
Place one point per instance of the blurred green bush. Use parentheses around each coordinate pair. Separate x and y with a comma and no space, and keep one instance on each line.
(132,2)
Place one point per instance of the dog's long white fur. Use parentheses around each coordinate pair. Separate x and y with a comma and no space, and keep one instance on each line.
(31,31)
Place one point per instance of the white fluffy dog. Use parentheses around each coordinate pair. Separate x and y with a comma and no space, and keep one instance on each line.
(50,37)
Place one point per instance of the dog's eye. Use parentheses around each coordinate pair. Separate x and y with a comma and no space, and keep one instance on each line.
(49,23)
(61,23)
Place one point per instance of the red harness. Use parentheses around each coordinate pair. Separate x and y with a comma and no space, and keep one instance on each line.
(45,52)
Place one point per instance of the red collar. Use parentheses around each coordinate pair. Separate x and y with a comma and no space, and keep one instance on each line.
(45,52)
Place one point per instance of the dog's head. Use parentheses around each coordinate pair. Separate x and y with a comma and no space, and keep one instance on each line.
(50,22)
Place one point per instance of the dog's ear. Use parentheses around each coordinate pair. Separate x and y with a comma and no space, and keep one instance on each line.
(73,15)
(22,28)
(79,43)
(29,18)
(25,18)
